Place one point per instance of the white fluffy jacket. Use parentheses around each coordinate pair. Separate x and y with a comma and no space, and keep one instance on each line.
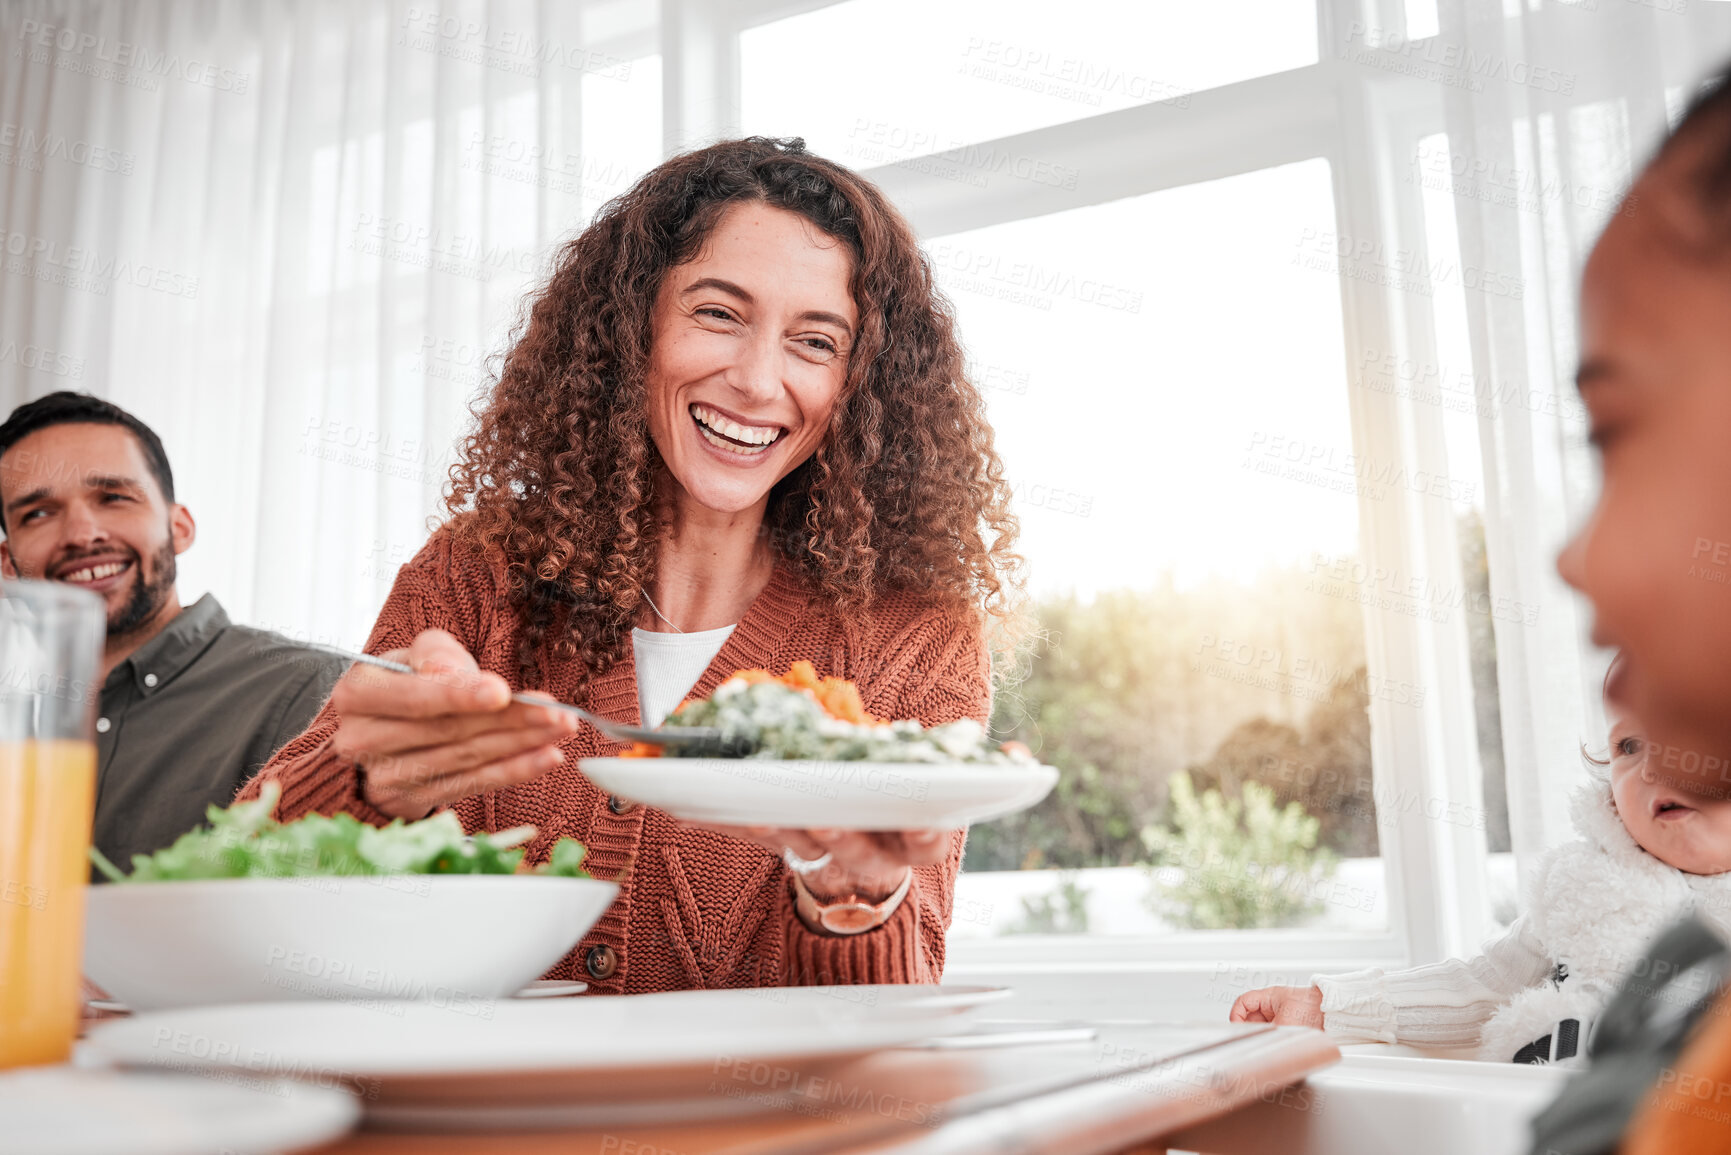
(1593,907)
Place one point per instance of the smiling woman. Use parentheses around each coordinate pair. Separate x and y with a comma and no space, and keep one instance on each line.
(720,344)
(735,432)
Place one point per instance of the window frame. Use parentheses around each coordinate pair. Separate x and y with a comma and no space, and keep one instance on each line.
(1366,123)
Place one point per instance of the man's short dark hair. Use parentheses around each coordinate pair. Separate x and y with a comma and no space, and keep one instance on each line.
(68,408)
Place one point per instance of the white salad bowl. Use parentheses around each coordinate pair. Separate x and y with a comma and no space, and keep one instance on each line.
(457,940)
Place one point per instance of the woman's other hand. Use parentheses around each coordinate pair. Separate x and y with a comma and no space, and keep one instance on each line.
(1285,1006)
(442,734)
(869,866)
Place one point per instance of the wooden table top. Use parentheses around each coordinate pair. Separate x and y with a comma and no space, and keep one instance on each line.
(1131,1084)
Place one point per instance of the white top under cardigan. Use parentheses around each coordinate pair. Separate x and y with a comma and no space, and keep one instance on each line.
(1594,906)
(668,665)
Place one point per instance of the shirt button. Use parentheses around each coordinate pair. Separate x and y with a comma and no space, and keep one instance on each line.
(102,725)
(601,962)
(150,679)
(619,805)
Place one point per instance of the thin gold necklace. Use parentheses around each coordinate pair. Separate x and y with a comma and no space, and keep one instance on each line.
(658,612)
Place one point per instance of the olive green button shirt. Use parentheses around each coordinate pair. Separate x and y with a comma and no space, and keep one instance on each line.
(189,717)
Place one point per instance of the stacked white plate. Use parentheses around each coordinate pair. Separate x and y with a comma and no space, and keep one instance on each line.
(557,1063)
(63,1110)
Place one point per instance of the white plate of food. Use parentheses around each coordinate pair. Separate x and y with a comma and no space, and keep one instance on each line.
(813,758)
(810,794)
(612,1056)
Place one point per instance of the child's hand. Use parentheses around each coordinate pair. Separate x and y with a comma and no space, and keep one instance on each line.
(1287,1006)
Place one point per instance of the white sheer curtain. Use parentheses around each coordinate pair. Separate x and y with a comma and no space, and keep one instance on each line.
(1576,98)
(287,235)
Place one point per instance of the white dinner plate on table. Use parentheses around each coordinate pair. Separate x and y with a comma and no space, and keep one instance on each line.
(819,794)
(595,1060)
(66,1110)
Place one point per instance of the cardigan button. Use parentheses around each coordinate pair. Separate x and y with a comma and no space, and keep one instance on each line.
(601,961)
(619,805)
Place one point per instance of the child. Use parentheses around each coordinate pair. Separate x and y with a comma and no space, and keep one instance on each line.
(1656,379)
(1650,850)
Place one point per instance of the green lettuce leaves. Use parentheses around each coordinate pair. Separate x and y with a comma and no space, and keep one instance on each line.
(244,841)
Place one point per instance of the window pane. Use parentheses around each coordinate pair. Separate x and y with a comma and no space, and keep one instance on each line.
(1166,379)
(980,69)
(1421,19)
(621,129)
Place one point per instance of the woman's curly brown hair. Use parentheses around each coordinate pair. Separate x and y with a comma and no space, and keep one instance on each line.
(559,475)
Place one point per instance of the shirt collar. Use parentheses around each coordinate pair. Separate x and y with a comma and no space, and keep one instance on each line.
(160,660)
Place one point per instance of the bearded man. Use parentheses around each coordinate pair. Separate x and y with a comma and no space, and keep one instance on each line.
(191,704)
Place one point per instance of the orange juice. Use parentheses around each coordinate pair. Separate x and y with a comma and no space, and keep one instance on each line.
(47,797)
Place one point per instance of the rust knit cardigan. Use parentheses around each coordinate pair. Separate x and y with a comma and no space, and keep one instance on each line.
(695,909)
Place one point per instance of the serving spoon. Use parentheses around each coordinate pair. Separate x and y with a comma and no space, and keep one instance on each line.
(704,740)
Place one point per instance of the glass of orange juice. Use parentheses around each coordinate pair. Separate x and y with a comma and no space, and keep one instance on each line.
(50,655)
